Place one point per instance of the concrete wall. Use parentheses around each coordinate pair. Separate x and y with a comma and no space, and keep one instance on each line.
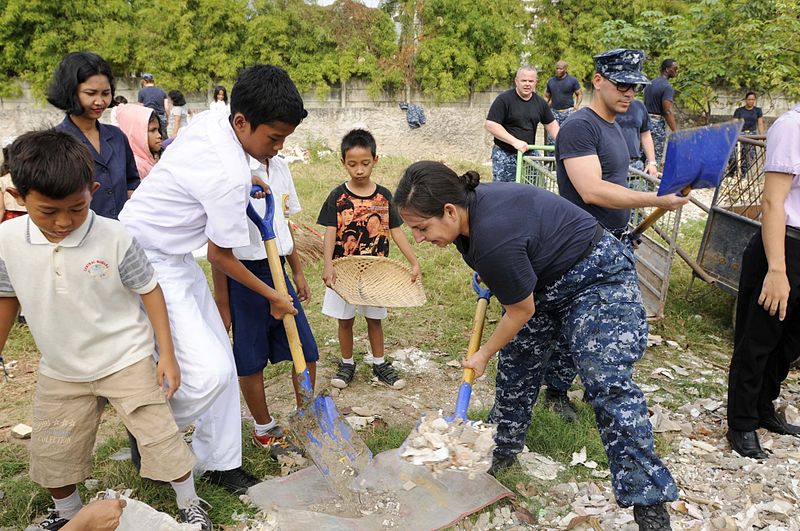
(454,130)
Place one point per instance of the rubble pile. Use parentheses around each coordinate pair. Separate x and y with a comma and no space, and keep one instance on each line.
(439,444)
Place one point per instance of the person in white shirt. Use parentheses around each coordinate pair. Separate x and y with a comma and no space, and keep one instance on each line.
(198,194)
(259,339)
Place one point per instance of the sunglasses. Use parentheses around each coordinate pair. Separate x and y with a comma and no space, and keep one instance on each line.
(625,87)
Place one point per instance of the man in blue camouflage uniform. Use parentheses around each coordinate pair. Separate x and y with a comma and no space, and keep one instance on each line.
(592,159)
(559,93)
(512,120)
(658,98)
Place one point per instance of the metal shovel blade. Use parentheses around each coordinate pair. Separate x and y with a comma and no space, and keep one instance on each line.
(331,443)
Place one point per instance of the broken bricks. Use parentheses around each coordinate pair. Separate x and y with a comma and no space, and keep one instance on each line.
(439,444)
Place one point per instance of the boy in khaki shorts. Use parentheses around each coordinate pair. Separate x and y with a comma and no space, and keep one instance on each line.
(93,307)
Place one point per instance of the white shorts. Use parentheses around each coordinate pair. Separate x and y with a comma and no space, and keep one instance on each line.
(335,306)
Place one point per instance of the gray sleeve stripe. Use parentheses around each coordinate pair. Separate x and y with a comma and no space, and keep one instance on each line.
(135,269)
(5,281)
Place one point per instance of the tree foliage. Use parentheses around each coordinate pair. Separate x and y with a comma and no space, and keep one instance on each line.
(447,48)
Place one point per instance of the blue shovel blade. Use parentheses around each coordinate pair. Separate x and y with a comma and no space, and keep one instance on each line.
(698,157)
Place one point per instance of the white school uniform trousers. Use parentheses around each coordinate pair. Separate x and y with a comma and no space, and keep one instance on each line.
(197,191)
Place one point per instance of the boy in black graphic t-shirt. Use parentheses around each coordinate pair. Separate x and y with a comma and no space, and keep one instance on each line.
(358,215)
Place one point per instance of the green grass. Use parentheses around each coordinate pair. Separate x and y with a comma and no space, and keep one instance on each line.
(444,324)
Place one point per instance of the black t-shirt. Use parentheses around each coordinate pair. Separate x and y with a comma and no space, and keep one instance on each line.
(750,117)
(153,97)
(522,238)
(585,133)
(657,91)
(362,222)
(634,122)
(519,117)
(561,91)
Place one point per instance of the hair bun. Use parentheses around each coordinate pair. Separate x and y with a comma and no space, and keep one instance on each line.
(471,180)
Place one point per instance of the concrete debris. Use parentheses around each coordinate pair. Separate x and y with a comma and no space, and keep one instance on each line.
(291,462)
(414,361)
(539,466)
(439,444)
(661,421)
(21,431)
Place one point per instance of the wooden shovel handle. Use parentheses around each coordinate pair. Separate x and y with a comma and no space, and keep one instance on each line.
(289,323)
(654,216)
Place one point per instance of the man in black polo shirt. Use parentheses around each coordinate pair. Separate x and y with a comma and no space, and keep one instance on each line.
(592,170)
(512,120)
(559,94)
(658,98)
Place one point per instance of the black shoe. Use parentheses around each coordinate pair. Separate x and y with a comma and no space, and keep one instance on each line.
(51,523)
(388,375)
(195,514)
(235,480)
(745,443)
(559,402)
(776,424)
(651,517)
(136,459)
(344,375)
(501,462)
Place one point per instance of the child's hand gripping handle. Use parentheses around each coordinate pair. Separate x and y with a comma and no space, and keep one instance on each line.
(273,258)
(465,391)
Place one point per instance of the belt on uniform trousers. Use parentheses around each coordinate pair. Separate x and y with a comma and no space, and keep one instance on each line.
(655,116)
(598,233)
(618,233)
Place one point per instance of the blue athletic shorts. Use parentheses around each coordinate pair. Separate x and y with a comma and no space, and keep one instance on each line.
(258,338)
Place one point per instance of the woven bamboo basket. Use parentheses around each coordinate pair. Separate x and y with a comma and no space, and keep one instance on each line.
(376,281)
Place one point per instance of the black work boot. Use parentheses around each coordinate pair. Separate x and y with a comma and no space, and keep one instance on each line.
(746,444)
(651,517)
(501,462)
(559,402)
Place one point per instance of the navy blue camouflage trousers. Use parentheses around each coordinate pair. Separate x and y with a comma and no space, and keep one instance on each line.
(560,116)
(658,130)
(594,311)
(504,165)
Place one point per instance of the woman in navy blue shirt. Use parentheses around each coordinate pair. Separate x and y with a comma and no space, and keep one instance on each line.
(566,285)
(83,87)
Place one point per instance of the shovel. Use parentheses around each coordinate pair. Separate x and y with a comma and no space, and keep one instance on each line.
(465,390)
(696,158)
(329,440)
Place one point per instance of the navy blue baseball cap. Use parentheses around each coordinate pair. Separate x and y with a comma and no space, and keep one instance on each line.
(621,66)
(147,76)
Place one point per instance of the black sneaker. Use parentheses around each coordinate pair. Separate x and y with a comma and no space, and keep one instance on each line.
(559,402)
(344,375)
(501,462)
(386,374)
(235,480)
(651,517)
(51,523)
(195,514)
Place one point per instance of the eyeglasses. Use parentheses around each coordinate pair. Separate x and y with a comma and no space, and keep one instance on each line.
(625,87)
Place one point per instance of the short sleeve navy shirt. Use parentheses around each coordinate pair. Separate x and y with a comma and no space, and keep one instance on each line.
(562,90)
(519,117)
(522,238)
(153,97)
(750,117)
(585,133)
(658,91)
(634,122)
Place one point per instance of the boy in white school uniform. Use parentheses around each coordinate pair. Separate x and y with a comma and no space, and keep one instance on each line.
(258,338)
(197,194)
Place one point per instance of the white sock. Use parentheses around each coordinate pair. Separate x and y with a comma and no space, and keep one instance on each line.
(68,507)
(185,495)
(262,429)
(377,361)
(349,361)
